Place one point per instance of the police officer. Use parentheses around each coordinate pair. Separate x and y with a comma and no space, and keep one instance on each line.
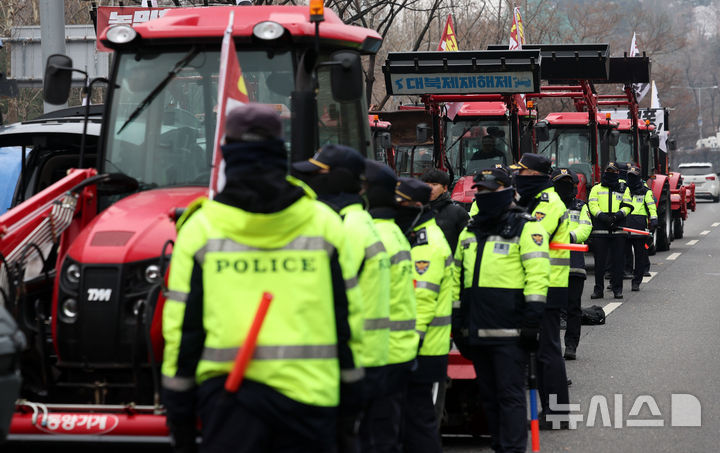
(510,177)
(609,203)
(566,181)
(263,232)
(432,272)
(380,428)
(538,196)
(502,272)
(642,216)
(336,173)
(450,217)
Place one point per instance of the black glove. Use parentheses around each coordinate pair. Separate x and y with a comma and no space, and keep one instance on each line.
(653,224)
(604,219)
(529,338)
(619,217)
(352,397)
(183,436)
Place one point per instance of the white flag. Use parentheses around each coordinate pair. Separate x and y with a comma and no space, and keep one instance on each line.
(641,89)
(659,118)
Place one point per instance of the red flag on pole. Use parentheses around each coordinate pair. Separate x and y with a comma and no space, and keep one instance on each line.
(517,32)
(231,93)
(448,42)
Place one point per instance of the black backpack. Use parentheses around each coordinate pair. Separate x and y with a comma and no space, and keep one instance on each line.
(593,316)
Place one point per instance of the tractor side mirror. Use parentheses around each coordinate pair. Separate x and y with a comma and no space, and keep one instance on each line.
(613,137)
(346,77)
(422,132)
(56,84)
(671,144)
(542,132)
(654,140)
(384,140)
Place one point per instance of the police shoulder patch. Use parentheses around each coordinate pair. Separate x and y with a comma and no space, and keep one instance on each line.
(537,238)
(422,266)
(421,237)
(539,215)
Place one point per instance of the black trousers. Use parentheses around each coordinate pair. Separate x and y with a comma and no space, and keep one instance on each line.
(613,246)
(642,263)
(420,432)
(380,427)
(552,376)
(501,377)
(574,311)
(258,419)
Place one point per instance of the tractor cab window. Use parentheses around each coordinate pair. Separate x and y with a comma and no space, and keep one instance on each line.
(623,151)
(569,148)
(163,117)
(413,161)
(473,146)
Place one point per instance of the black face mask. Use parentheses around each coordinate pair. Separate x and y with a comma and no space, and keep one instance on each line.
(530,185)
(567,190)
(492,205)
(635,182)
(610,179)
(408,217)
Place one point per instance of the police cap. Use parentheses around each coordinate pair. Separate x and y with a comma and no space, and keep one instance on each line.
(613,167)
(333,156)
(537,162)
(252,122)
(560,173)
(492,178)
(380,175)
(409,189)
(633,170)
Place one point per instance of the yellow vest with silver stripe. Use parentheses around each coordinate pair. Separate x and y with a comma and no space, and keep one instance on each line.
(433,267)
(241,254)
(372,265)
(403,337)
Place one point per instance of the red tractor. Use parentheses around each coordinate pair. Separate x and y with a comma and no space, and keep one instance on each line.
(92,310)
(491,125)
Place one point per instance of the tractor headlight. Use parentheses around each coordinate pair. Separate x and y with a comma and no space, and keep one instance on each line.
(72,273)
(152,274)
(69,310)
(121,34)
(268,30)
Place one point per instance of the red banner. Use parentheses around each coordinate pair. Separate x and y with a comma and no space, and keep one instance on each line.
(517,32)
(130,15)
(448,42)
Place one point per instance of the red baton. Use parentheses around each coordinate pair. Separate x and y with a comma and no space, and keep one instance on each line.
(571,247)
(633,230)
(245,353)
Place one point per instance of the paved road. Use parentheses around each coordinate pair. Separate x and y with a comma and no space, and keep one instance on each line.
(661,341)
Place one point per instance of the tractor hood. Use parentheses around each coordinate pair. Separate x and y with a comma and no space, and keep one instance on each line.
(134,228)
(463,191)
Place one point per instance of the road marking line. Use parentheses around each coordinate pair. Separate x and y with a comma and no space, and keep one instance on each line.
(647,279)
(609,308)
(693,242)
(674,256)
(703,233)
(716,224)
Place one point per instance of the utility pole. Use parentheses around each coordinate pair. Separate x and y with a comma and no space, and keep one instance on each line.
(698,94)
(52,35)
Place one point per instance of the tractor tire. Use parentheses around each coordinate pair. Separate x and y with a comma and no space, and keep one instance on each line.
(678,227)
(716,199)
(663,234)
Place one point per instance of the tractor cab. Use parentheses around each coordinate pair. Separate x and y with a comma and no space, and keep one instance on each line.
(567,140)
